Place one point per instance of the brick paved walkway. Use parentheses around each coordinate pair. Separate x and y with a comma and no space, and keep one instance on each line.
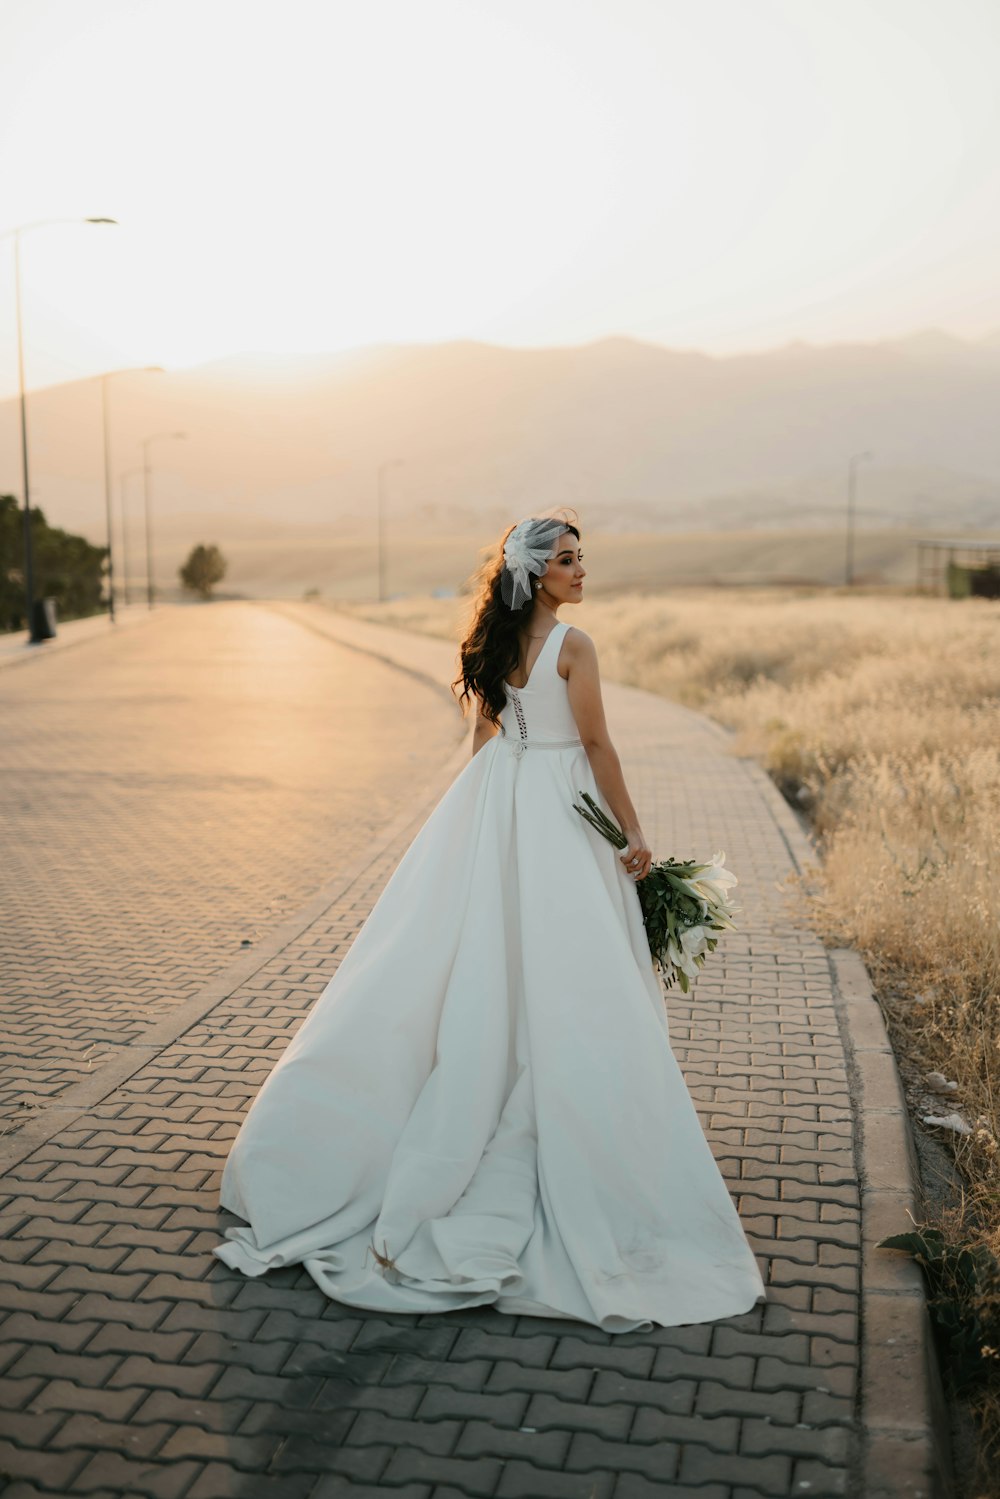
(166,797)
(135,1363)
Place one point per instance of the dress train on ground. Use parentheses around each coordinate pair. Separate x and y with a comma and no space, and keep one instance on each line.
(485,1091)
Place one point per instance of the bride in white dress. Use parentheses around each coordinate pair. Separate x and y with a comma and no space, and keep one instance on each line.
(483,1106)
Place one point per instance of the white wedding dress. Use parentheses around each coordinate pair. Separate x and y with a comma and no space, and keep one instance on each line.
(485,1089)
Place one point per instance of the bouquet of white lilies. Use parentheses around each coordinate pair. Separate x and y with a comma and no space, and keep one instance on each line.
(682,902)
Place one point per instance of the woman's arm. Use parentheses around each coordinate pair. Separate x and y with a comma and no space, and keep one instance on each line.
(584,683)
(484,730)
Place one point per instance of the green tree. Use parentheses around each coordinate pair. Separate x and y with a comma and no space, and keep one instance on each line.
(204,567)
(68,568)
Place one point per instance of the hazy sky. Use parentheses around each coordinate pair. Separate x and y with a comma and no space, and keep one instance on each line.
(716,174)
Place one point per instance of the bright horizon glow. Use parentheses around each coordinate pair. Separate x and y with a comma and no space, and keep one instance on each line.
(318,175)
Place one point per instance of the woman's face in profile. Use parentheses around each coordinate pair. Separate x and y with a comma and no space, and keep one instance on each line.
(563,578)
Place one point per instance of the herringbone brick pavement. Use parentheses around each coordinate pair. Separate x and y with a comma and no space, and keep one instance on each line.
(167,796)
(136,1363)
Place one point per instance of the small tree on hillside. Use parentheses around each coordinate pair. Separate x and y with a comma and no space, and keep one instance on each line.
(205,567)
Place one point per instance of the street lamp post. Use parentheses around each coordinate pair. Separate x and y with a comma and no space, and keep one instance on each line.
(123,488)
(145,487)
(856,458)
(150,369)
(29,561)
(383,468)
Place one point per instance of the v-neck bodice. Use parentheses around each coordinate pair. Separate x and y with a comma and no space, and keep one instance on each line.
(560,628)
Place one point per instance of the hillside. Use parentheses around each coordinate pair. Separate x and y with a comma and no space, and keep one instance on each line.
(636,436)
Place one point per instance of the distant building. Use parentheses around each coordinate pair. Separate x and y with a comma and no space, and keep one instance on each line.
(960,569)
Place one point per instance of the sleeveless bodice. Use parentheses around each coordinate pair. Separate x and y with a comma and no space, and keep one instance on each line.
(539,713)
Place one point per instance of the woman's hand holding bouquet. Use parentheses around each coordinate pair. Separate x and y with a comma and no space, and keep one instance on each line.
(682,902)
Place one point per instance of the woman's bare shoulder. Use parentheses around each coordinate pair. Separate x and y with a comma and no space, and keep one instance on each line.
(577,648)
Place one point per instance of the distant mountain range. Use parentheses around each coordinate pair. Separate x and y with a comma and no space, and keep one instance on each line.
(632,434)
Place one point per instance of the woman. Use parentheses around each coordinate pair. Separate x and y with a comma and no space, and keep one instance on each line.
(483,1105)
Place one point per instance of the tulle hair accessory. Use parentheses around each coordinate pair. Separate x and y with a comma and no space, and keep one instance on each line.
(526,552)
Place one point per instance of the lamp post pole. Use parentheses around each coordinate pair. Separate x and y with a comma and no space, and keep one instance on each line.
(123,486)
(852,466)
(148,368)
(29,560)
(29,563)
(145,489)
(383,469)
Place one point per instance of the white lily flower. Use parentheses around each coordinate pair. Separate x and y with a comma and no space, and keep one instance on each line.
(715,881)
(681,958)
(693,939)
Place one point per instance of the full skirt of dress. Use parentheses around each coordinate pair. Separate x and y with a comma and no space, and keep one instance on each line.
(485,1091)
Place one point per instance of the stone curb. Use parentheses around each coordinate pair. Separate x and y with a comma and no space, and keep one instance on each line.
(902,1419)
(330,625)
(904,1426)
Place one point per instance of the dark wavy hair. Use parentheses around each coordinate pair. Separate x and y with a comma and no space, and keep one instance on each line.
(490,650)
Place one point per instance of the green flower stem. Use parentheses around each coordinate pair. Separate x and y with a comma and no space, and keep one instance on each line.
(611,837)
(598,819)
(606,822)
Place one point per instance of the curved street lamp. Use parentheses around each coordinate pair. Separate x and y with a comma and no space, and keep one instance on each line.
(155,436)
(29,564)
(856,458)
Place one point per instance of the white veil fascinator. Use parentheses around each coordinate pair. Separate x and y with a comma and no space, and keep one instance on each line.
(525,552)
